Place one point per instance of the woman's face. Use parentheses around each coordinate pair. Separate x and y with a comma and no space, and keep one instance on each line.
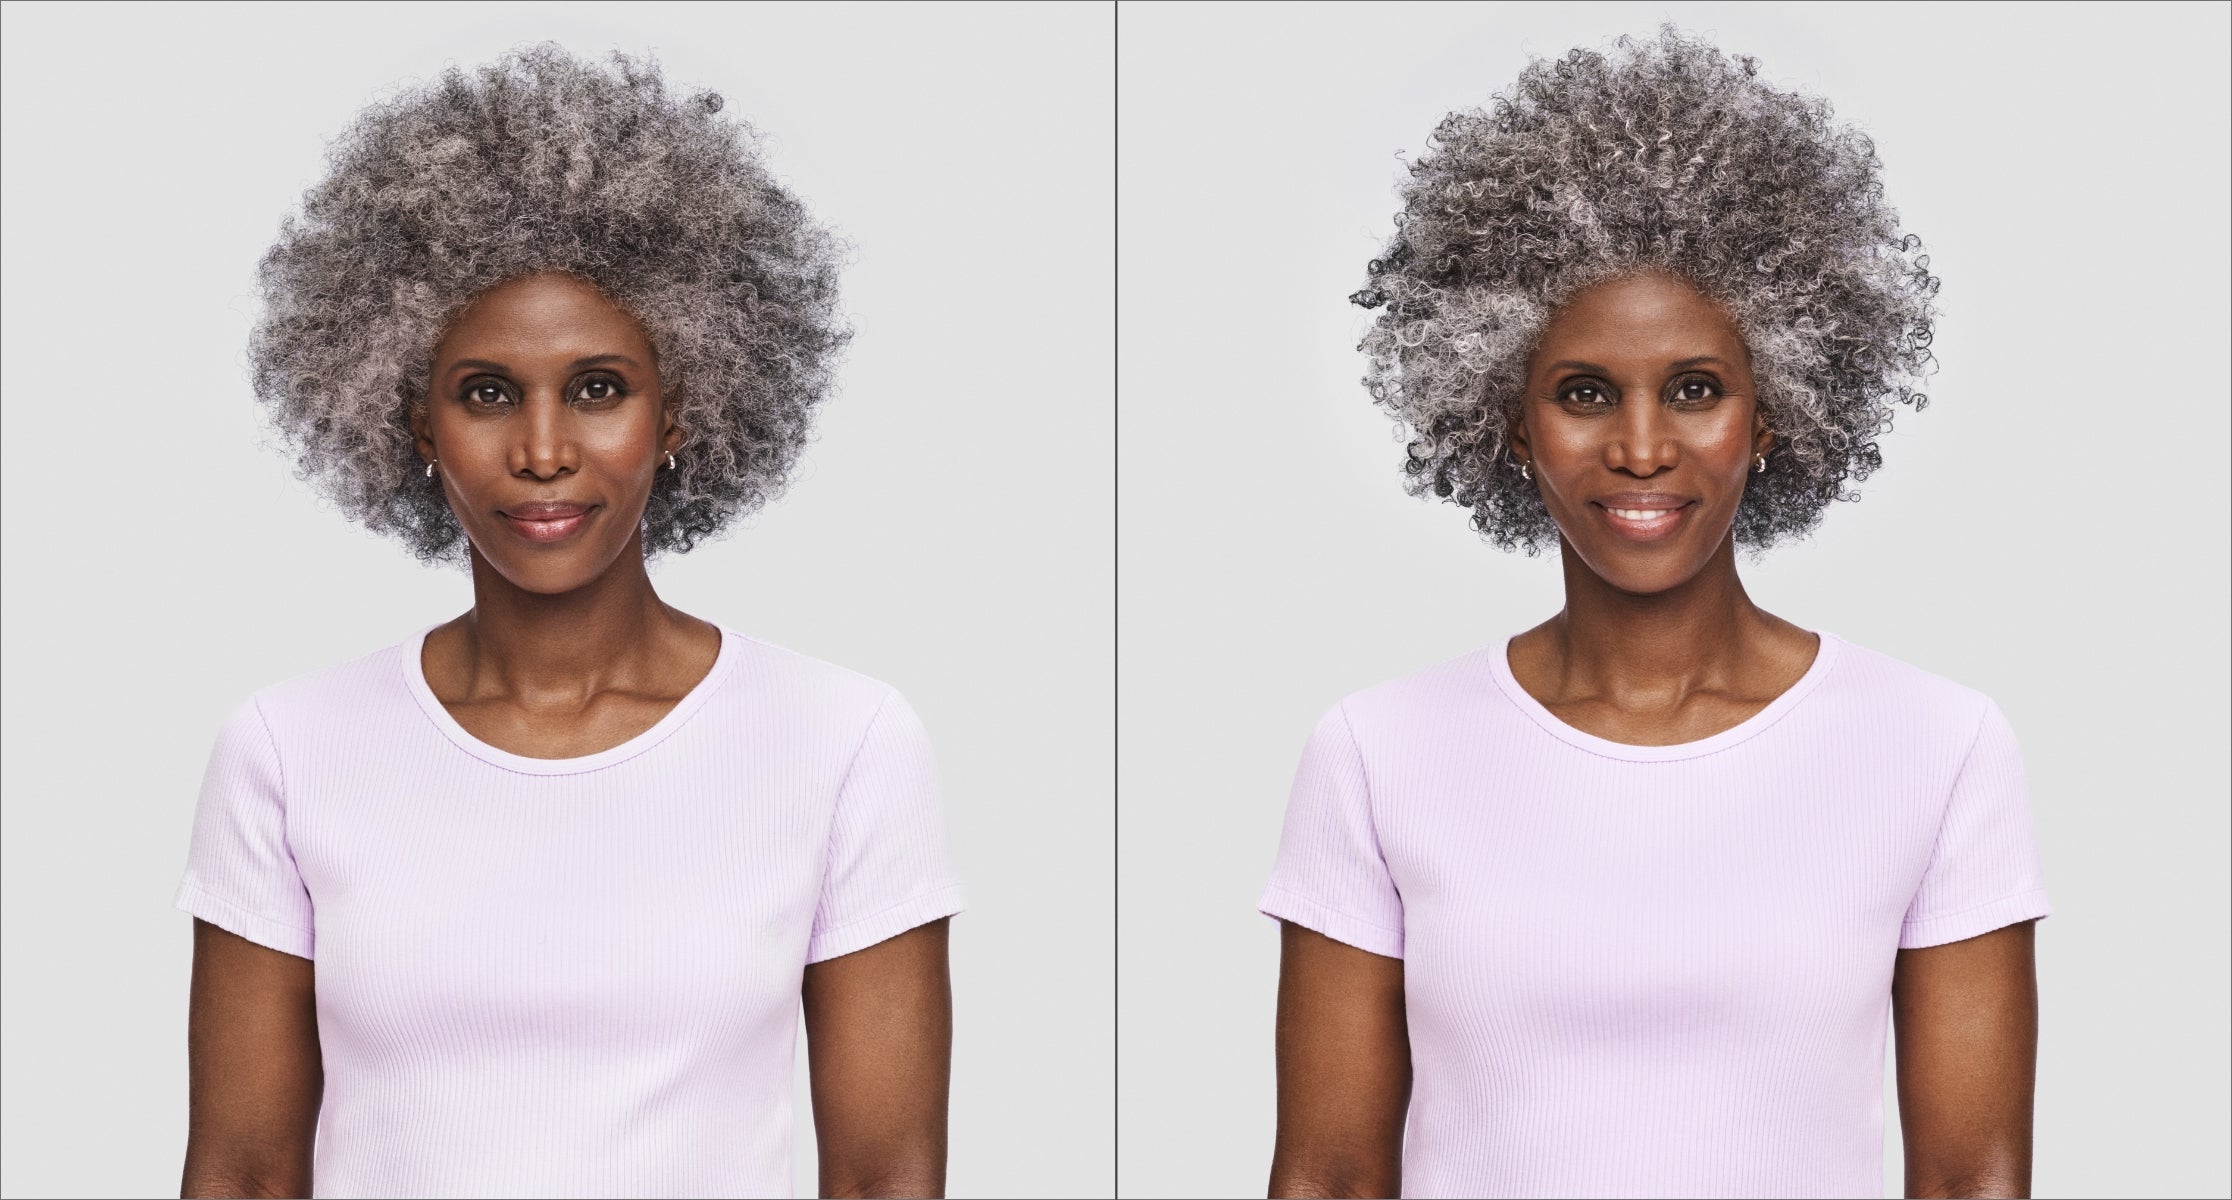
(544,419)
(1639,424)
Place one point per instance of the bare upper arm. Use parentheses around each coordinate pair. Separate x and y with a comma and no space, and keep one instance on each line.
(1966,1014)
(1344,1069)
(879,1046)
(255,1075)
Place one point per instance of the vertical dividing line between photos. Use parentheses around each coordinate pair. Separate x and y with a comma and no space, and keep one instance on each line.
(1115,603)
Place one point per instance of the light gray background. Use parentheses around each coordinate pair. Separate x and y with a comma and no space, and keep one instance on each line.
(2050,531)
(948,532)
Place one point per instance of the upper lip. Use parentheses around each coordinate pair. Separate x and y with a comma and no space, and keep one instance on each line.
(545,510)
(1642,500)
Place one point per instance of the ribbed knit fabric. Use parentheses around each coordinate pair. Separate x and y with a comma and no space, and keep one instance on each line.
(1654,970)
(567,977)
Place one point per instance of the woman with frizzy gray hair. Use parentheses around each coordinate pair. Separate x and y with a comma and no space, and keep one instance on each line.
(1622,905)
(569,864)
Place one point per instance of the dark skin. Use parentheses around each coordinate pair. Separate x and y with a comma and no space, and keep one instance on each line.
(1640,398)
(545,391)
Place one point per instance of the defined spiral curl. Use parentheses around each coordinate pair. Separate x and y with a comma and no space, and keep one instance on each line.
(1664,156)
(543,162)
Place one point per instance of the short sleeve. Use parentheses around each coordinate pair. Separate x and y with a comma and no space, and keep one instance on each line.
(1330,875)
(889,869)
(240,873)
(1984,871)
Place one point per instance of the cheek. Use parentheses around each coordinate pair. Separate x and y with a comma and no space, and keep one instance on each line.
(624,447)
(611,444)
(614,443)
(1727,436)
(1561,436)
(461,441)
(1723,439)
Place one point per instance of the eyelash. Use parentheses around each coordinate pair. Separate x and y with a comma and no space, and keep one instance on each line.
(470,393)
(1566,393)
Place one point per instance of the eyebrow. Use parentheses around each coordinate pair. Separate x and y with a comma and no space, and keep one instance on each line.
(594,360)
(1569,364)
(1575,364)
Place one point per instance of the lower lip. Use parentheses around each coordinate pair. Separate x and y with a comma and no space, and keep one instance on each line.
(557,530)
(1655,529)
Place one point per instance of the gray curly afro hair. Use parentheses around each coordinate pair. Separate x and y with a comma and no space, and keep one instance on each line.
(1665,156)
(544,162)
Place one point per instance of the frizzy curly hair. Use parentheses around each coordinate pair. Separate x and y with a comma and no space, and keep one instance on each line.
(1665,156)
(542,162)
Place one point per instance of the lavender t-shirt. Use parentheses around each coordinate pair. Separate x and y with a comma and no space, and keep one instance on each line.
(567,977)
(1654,970)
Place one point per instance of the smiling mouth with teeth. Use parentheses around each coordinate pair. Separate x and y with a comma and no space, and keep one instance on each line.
(1640,514)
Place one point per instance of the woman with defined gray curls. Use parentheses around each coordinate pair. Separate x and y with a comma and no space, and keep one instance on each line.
(1621,905)
(527,903)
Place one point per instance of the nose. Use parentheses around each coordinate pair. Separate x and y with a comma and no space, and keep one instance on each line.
(1641,441)
(545,448)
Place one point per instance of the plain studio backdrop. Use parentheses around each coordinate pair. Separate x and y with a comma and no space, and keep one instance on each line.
(2050,531)
(948,531)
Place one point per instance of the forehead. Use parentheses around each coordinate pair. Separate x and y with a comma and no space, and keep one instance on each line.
(1640,319)
(556,316)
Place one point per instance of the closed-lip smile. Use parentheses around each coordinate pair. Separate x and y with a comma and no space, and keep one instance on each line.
(546,520)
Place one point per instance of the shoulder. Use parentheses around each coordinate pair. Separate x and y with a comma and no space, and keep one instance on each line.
(1882,701)
(1457,690)
(1877,677)
(341,693)
(346,703)
(815,690)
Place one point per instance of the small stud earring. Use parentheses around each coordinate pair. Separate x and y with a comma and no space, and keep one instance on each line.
(430,468)
(1525,474)
(1762,464)
(670,460)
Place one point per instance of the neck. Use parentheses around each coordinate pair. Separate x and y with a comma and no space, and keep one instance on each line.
(576,642)
(1610,642)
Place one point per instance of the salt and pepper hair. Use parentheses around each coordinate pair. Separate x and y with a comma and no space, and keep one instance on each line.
(541,162)
(1665,156)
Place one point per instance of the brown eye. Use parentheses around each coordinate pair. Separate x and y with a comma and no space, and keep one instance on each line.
(1694,390)
(485,392)
(599,388)
(1584,394)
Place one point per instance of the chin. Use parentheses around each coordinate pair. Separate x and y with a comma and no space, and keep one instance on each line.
(1647,583)
(552,572)
(1643,573)
(549,583)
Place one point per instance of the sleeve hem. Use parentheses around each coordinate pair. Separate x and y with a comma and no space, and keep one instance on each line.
(1284,905)
(885,925)
(1974,921)
(231,917)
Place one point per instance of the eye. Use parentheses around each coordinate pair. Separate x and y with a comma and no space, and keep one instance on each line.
(1585,393)
(597,388)
(486,393)
(1696,389)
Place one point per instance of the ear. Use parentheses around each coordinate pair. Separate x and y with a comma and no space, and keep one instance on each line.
(1521,449)
(671,435)
(1763,438)
(422,431)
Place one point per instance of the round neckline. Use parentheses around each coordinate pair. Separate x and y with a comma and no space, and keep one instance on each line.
(1825,657)
(414,678)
